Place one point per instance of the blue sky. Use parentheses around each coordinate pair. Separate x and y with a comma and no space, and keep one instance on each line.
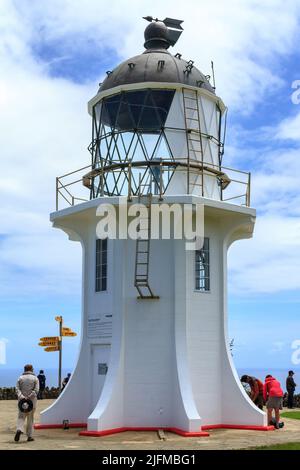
(53,56)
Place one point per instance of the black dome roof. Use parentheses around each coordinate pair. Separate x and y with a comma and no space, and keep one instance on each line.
(156,64)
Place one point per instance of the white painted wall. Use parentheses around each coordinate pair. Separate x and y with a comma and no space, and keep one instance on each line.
(99,360)
(204,319)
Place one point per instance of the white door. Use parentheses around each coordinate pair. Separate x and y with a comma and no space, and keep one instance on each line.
(99,361)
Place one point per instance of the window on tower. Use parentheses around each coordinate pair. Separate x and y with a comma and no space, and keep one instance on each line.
(202,271)
(101,265)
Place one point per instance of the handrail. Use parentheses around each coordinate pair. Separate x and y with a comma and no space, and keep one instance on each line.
(116,168)
(130,164)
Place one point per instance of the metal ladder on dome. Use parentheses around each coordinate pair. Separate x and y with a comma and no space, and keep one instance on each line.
(142,259)
(193,136)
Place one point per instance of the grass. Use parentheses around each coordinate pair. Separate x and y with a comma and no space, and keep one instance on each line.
(291,414)
(286,446)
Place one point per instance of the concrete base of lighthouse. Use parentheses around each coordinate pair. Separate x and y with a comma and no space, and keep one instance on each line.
(169,363)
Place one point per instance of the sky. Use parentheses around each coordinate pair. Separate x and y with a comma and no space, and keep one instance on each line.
(53,55)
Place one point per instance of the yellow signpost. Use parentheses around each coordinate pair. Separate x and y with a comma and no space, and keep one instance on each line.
(54,343)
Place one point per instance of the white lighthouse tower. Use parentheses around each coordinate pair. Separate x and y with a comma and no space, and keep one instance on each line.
(154,348)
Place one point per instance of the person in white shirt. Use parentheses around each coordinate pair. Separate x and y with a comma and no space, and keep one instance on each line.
(27,388)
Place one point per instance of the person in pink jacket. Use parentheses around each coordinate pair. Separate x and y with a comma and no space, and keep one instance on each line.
(273,394)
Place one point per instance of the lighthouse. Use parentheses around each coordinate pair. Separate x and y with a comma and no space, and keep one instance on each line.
(154,350)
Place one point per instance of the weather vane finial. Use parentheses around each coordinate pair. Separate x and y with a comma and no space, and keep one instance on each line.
(174,28)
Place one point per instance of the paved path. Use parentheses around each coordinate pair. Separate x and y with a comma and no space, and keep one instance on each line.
(60,439)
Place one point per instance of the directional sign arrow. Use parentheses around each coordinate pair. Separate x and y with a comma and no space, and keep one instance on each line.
(51,349)
(49,338)
(69,333)
(48,343)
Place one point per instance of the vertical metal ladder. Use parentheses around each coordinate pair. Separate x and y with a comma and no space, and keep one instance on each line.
(142,259)
(193,136)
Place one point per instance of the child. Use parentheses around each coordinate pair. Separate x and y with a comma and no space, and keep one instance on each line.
(274,396)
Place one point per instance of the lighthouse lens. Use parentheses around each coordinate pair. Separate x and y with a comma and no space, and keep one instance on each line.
(144,110)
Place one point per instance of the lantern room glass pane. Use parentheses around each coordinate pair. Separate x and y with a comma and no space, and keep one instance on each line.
(145,110)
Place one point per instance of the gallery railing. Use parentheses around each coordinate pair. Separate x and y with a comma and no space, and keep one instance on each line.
(135,178)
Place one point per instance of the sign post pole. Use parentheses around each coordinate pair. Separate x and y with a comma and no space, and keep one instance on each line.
(60,353)
(54,343)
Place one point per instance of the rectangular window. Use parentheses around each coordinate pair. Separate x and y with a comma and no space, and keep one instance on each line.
(202,275)
(101,265)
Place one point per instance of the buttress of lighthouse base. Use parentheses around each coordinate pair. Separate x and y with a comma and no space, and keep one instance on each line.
(163,363)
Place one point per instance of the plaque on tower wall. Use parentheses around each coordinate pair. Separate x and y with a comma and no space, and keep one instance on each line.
(100,325)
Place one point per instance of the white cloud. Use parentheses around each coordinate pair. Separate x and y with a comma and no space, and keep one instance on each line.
(289,128)
(45,130)
(270,261)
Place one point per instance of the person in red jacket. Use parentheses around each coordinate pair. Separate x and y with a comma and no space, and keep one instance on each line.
(273,394)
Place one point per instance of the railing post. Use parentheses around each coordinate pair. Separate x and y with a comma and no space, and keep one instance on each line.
(221,189)
(248,190)
(102,178)
(129,182)
(57,193)
(140,184)
(160,180)
(102,183)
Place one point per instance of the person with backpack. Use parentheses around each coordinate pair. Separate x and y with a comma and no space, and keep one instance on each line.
(273,394)
(256,387)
